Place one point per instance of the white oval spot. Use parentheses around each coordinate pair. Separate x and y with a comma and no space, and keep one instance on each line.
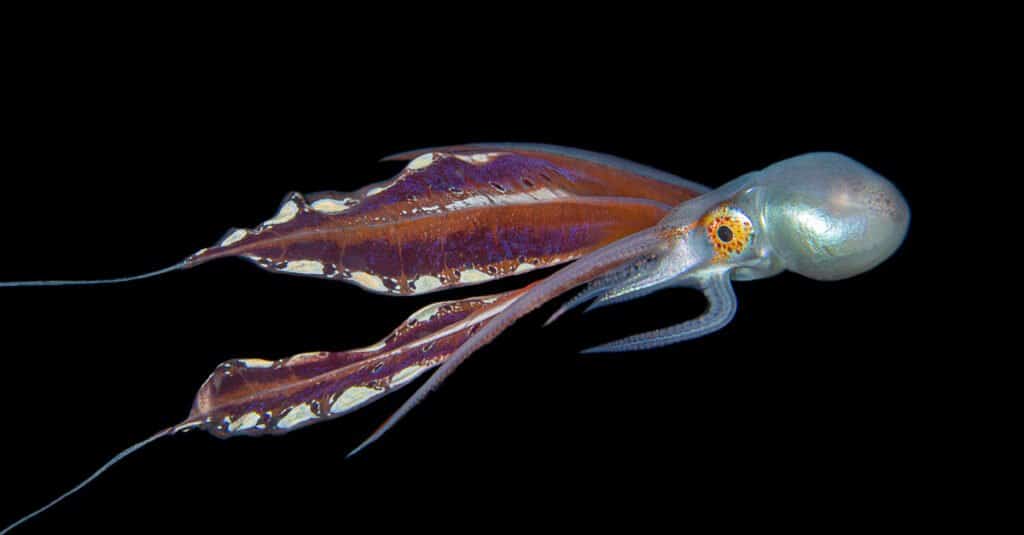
(406,375)
(256,363)
(377,189)
(425,283)
(233,237)
(296,415)
(421,161)
(473,275)
(368,281)
(427,312)
(287,212)
(479,158)
(301,357)
(352,397)
(248,420)
(333,206)
(305,267)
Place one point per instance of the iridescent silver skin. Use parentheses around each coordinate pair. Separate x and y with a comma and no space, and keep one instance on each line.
(827,217)
(822,215)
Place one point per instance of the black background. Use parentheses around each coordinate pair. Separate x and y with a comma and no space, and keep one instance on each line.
(120,160)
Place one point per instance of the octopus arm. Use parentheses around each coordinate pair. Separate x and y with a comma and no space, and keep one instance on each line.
(459,216)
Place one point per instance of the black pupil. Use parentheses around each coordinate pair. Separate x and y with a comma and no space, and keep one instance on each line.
(725,234)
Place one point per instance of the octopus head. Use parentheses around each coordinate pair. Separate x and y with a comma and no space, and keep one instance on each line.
(829,217)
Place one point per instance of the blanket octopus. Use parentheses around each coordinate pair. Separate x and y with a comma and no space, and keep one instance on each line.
(469,214)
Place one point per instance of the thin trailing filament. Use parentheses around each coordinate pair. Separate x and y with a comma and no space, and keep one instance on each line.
(130,450)
(20,284)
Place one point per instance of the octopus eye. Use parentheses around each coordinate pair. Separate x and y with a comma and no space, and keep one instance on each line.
(728,230)
(724,234)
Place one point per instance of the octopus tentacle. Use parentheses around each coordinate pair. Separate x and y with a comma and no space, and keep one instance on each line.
(721,309)
(596,264)
(637,286)
(603,285)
